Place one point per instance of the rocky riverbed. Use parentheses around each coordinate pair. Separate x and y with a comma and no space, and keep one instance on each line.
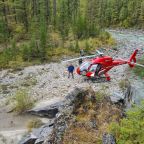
(48,84)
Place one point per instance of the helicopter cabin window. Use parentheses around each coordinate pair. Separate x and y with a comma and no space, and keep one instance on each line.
(85,66)
(93,68)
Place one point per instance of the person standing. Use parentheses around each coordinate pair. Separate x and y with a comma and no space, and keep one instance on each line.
(81,54)
(71,71)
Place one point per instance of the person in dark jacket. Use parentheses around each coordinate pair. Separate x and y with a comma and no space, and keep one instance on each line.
(71,71)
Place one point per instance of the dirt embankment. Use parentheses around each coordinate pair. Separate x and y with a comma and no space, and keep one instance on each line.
(92,121)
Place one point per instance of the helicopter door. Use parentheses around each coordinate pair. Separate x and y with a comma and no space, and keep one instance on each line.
(98,69)
(95,68)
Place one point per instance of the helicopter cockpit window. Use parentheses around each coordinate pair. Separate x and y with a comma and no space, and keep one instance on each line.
(93,68)
(85,66)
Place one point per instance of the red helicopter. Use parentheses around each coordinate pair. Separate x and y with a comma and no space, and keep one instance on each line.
(100,65)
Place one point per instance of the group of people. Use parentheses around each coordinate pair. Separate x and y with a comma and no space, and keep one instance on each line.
(71,67)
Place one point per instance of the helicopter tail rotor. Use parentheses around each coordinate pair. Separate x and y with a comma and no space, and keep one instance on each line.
(132,60)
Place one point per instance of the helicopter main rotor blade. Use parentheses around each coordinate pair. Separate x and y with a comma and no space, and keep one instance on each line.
(91,56)
(100,53)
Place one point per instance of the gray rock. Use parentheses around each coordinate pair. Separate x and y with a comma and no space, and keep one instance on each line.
(130,96)
(117,97)
(29,139)
(94,124)
(133,96)
(38,135)
(49,111)
(42,133)
(108,139)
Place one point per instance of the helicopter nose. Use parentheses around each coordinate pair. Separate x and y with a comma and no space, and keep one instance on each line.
(78,71)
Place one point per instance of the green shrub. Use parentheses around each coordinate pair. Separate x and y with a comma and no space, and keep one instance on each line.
(3,87)
(130,130)
(93,30)
(3,139)
(100,95)
(29,82)
(87,47)
(139,70)
(123,84)
(26,52)
(104,35)
(80,27)
(23,102)
(77,48)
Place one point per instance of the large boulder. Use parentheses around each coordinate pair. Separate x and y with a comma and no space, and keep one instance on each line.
(29,139)
(48,111)
(130,96)
(117,97)
(125,97)
(38,135)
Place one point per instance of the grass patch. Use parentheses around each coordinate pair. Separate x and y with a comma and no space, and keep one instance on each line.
(123,84)
(130,130)
(92,120)
(83,132)
(23,102)
(80,135)
(29,82)
(3,87)
(139,71)
(3,139)
(101,94)
(34,123)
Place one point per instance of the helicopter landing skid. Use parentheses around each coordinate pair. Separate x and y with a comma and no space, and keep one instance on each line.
(98,79)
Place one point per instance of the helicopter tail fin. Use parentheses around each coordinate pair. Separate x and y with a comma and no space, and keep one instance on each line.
(132,59)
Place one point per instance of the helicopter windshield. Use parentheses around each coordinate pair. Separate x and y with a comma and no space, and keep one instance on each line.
(85,66)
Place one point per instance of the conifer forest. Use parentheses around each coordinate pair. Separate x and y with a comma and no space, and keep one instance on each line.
(71,71)
(30,30)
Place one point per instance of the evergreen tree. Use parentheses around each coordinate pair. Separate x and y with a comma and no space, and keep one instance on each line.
(142,15)
(39,21)
(43,35)
(63,20)
(14,49)
(4,35)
